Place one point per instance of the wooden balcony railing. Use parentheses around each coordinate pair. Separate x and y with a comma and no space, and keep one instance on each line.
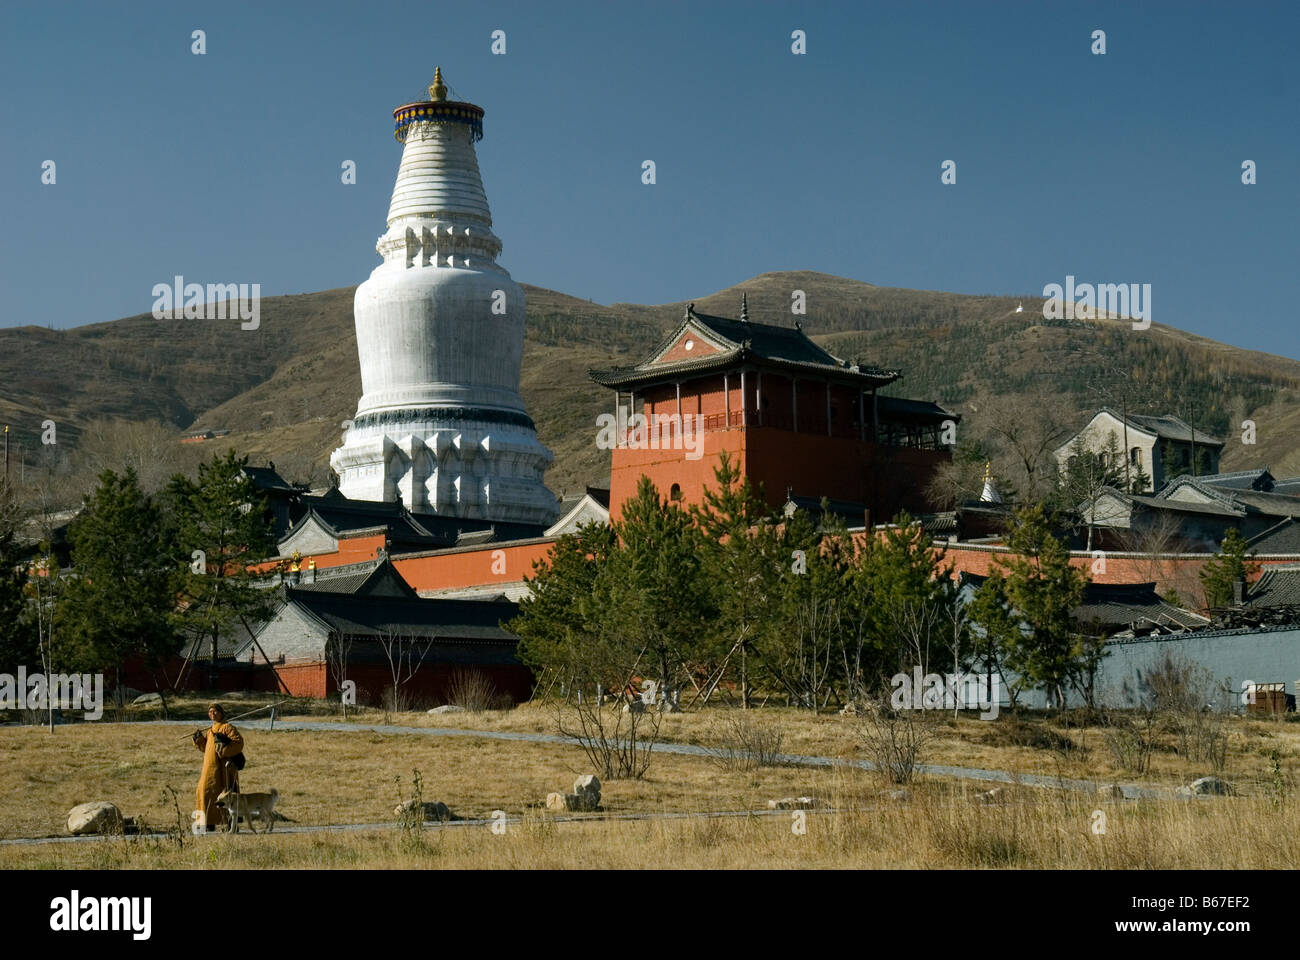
(666,427)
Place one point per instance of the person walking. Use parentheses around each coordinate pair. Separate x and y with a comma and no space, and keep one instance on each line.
(220,744)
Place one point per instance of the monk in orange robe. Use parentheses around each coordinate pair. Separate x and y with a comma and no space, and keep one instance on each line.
(221,743)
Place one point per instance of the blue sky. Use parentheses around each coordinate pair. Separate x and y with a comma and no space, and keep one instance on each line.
(226,167)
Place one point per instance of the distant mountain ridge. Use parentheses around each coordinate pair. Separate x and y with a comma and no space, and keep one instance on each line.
(285,389)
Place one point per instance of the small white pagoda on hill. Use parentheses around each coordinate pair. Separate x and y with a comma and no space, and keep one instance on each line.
(440,333)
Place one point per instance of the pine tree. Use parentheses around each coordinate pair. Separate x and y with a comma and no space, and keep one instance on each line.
(652,599)
(610,603)
(222,529)
(909,593)
(555,630)
(1139,479)
(1086,474)
(17,638)
(1230,564)
(816,639)
(1038,587)
(743,557)
(121,600)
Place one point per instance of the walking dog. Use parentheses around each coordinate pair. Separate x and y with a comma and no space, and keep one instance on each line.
(249,805)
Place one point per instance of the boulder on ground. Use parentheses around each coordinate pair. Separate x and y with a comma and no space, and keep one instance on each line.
(850,710)
(147,698)
(1211,786)
(991,796)
(447,708)
(98,816)
(587,791)
(581,802)
(1111,791)
(796,803)
(432,810)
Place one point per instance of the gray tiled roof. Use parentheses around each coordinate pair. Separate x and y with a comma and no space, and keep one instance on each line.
(1170,427)
(1277,586)
(1186,506)
(1134,605)
(1257,479)
(768,340)
(370,577)
(779,346)
(1270,504)
(1244,500)
(408,531)
(365,617)
(1120,606)
(898,408)
(1283,537)
(345,583)
(229,643)
(266,478)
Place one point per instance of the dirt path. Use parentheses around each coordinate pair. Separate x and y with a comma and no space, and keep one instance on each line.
(1131,791)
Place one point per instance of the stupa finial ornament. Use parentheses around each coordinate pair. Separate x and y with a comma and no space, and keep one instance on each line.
(438,90)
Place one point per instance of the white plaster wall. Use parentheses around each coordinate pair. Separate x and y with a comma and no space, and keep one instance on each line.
(291,635)
(1095,437)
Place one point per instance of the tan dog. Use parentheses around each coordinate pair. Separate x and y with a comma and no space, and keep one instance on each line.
(249,805)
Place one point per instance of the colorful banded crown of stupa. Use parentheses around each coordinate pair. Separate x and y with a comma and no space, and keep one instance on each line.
(437,109)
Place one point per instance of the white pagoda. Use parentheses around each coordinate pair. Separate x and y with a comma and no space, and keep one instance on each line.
(440,333)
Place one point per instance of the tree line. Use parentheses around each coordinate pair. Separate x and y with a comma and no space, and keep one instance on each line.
(734,600)
(149,574)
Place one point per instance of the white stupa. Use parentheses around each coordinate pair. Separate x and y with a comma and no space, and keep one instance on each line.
(440,333)
(990,493)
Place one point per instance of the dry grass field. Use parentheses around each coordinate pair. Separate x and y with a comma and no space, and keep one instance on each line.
(927,832)
(331,778)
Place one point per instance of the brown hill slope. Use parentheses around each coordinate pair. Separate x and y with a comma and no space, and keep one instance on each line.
(285,389)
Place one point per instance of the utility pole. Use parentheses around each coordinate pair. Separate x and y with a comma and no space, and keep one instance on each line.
(6,453)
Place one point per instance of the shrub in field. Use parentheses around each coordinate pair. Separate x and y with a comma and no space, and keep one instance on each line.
(1188,702)
(895,740)
(473,690)
(1131,742)
(617,735)
(743,743)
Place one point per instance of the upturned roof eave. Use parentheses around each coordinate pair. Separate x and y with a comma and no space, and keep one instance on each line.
(624,376)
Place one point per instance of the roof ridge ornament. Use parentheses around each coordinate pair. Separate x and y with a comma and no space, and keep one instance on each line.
(744,308)
(690,310)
